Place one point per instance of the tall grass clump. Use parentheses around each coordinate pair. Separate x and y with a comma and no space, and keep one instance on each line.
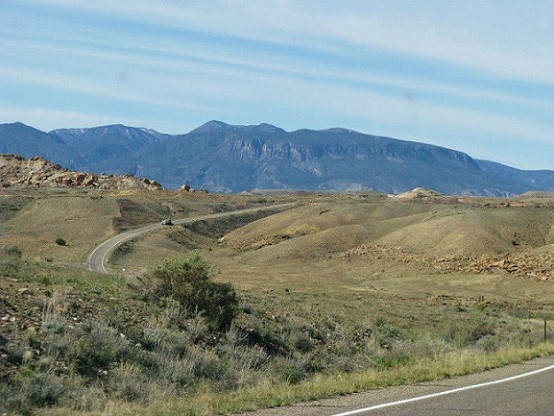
(10,260)
(13,264)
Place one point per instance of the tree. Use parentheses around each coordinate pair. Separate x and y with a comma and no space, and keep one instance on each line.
(188,282)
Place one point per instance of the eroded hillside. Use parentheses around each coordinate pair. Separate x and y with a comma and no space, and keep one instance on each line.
(450,236)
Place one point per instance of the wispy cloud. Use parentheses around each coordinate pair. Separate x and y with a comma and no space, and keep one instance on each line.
(481,73)
(511,39)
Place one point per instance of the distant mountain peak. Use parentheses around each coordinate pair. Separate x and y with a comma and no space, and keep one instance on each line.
(269,127)
(16,123)
(340,130)
(19,125)
(211,126)
(215,125)
(264,128)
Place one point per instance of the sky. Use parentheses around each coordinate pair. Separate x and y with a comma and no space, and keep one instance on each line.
(475,75)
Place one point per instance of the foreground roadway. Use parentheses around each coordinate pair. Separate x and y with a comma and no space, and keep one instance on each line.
(97,259)
(519,389)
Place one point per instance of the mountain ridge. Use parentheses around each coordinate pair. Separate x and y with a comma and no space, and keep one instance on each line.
(229,158)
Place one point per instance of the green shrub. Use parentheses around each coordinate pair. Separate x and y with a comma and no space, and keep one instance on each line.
(293,371)
(61,242)
(292,374)
(221,305)
(12,252)
(188,282)
(465,333)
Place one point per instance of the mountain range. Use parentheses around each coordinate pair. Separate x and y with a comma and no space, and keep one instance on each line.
(230,159)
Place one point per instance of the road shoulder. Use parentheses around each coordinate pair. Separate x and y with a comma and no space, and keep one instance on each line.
(329,407)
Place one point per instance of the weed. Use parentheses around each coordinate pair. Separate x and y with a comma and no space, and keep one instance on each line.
(387,334)
(266,339)
(292,374)
(44,390)
(52,321)
(29,390)
(303,343)
(123,249)
(11,251)
(98,347)
(488,343)
(198,329)
(128,383)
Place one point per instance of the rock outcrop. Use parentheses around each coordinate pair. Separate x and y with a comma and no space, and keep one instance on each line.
(39,172)
(420,194)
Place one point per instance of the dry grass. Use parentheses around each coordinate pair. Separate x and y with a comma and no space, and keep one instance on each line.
(78,219)
(207,403)
(401,271)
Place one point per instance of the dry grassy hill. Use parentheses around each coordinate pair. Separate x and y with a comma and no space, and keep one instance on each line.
(338,283)
(359,242)
(418,228)
(34,218)
(430,230)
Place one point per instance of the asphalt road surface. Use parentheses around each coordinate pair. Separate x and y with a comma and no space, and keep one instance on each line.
(520,389)
(97,259)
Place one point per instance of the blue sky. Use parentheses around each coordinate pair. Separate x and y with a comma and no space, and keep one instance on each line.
(475,76)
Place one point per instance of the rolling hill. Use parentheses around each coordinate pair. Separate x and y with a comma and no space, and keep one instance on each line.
(336,287)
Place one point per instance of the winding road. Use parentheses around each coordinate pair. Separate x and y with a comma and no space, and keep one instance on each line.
(96,261)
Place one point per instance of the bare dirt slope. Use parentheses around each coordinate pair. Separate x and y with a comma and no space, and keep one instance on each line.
(429,230)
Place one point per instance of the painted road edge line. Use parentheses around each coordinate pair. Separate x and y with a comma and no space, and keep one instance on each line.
(444,393)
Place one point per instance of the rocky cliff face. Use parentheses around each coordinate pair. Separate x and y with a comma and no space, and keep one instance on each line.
(231,159)
(39,172)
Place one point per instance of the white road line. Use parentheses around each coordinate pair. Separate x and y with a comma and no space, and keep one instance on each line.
(444,393)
